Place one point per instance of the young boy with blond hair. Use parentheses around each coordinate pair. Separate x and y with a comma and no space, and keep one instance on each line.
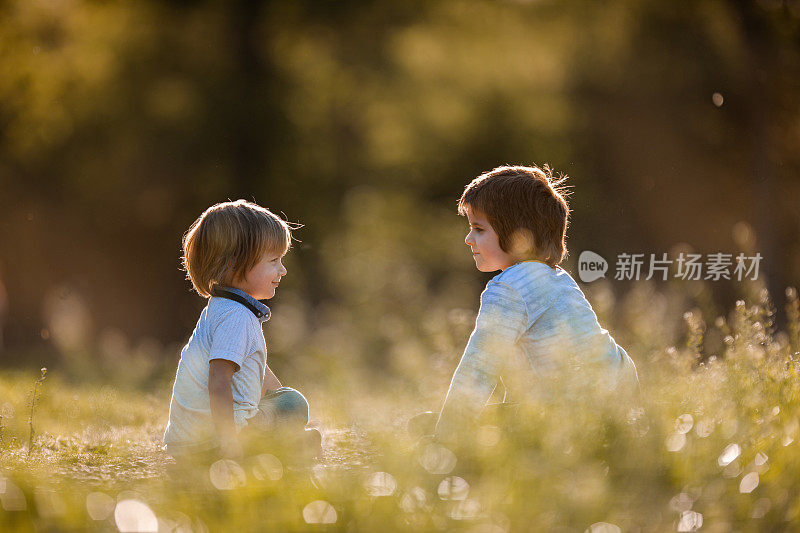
(535,328)
(233,256)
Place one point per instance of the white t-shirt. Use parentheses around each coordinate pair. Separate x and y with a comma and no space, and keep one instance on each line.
(226,330)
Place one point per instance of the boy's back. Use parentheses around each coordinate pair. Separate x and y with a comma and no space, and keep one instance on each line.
(226,330)
(560,333)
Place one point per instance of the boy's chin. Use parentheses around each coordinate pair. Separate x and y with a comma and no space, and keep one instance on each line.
(266,295)
(485,268)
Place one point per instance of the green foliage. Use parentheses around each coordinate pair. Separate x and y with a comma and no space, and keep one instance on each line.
(34,396)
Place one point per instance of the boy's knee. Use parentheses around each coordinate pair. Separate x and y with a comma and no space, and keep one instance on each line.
(291,404)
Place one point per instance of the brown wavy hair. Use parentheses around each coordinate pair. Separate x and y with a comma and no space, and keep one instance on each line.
(526,207)
(228,240)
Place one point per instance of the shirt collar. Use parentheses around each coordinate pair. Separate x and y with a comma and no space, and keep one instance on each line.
(556,268)
(260,305)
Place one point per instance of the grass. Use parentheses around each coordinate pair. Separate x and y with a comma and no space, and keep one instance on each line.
(714,447)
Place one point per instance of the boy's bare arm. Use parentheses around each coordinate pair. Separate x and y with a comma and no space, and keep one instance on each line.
(271,382)
(220,373)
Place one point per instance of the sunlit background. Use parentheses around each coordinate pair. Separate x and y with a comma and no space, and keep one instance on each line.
(678,124)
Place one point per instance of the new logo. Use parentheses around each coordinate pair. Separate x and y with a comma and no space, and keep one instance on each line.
(591,266)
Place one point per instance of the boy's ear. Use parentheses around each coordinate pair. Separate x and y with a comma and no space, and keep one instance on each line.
(522,243)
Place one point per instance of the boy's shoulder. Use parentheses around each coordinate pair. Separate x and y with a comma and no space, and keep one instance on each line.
(536,284)
(528,272)
(535,279)
(219,310)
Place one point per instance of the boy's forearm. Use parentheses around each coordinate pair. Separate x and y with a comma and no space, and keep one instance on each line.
(470,388)
(221,398)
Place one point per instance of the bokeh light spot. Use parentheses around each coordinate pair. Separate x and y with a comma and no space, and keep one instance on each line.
(380,484)
(690,521)
(603,527)
(761,507)
(11,496)
(226,474)
(133,516)
(749,483)
(413,499)
(684,423)
(704,428)
(681,502)
(487,528)
(453,488)
(49,503)
(319,512)
(267,467)
(466,510)
(675,442)
(436,459)
(729,454)
(99,505)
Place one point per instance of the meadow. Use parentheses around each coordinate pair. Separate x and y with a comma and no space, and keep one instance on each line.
(713,445)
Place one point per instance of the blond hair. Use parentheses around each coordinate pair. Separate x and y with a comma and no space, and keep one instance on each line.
(228,240)
(527,208)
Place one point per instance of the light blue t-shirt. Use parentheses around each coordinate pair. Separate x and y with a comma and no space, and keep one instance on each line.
(536,330)
(226,330)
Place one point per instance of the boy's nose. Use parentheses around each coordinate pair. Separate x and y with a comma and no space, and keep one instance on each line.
(468,240)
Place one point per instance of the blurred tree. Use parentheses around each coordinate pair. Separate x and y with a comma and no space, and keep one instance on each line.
(121,123)
(688,115)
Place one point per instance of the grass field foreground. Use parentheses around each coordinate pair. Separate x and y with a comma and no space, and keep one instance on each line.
(714,445)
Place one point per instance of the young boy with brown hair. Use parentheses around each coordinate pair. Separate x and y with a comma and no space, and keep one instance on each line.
(233,255)
(535,328)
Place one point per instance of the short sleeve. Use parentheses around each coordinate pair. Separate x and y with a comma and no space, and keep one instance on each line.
(231,338)
(502,319)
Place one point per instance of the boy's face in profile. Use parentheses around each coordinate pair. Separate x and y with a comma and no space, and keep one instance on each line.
(485,245)
(261,281)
